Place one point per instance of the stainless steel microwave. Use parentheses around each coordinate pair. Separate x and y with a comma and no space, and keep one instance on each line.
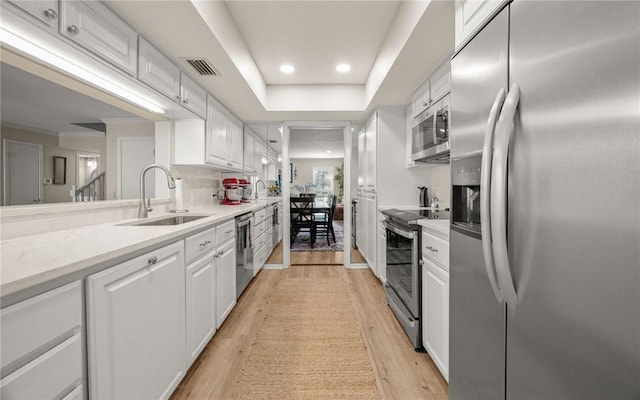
(430,134)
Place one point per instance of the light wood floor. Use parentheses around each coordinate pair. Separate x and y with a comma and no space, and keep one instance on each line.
(314,257)
(400,372)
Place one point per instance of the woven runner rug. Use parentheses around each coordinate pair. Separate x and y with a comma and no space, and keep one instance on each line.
(309,346)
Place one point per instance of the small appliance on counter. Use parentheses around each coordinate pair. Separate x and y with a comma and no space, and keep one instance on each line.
(424,196)
(245,185)
(232,192)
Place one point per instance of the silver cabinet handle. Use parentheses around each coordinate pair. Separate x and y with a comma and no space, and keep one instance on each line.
(178,98)
(50,13)
(485,191)
(74,30)
(504,130)
(185,101)
(229,232)
(152,260)
(204,244)
(432,249)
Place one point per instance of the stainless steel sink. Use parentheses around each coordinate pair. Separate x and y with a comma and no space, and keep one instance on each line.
(171,220)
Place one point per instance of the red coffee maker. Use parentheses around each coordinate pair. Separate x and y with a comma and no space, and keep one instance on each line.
(232,192)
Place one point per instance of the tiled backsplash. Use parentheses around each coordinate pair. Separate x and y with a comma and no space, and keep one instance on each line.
(441,185)
(198,185)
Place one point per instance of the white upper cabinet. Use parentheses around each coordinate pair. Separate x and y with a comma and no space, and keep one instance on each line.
(224,137)
(192,96)
(45,12)
(234,142)
(440,82)
(361,159)
(158,71)
(421,98)
(95,27)
(216,134)
(471,15)
(249,152)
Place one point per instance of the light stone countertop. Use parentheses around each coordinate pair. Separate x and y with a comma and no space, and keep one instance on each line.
(438,225)
(35,260)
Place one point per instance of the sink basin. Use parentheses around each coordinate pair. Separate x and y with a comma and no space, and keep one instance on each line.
(171,220)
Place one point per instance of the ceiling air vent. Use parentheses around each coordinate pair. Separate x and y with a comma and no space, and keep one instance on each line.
(202,66)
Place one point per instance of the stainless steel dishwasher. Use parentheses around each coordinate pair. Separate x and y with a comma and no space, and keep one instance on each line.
(244,252)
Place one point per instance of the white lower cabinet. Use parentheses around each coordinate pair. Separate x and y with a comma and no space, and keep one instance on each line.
(226,280)
(435,313)
(201,304)
(136,326)
(42,345)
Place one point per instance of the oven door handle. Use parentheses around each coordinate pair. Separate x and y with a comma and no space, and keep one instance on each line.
(399,230)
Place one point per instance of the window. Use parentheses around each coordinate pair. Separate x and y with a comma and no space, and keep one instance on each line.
(323,181)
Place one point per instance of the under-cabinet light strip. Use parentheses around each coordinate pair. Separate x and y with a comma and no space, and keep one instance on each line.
(77,71)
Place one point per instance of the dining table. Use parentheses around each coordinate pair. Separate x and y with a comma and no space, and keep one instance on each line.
(303,211)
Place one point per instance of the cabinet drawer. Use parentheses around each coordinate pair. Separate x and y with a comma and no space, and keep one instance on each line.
(225,232)
(259,259)
(199,244)
(260,241)
(47,376)
(435,249)
(260,228)
(259,215)
(40,321)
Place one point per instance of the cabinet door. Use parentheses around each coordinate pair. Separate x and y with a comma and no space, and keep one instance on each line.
(44,11)
(371,231)
(435,309)
(371,152)
(261,149)
(249,152)
(158,71)
(136,325)
(216,134)
(94,26)
(201,305)
(422,101)
(234,143)
(360,213)
(226,281)
(362,168)
(192,96)
(471,15)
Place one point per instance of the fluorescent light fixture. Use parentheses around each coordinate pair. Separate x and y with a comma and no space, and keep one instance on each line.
(287,69)
(78,71)
(328,151)
(343,68)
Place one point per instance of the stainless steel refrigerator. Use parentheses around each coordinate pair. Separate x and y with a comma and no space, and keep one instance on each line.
(545,234)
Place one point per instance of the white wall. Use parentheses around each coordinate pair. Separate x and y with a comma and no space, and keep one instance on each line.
(305,169)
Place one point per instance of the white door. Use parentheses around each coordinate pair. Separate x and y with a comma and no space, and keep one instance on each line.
(135,153)
(22,173)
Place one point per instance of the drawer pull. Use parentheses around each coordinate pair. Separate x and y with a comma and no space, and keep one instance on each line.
(205,244)
(432,249)
(50,13)
(74,30)
(152,260)
(229,232)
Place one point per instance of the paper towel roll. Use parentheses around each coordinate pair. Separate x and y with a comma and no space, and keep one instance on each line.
(179,202)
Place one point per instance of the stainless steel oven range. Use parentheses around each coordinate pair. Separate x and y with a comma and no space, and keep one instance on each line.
(403,286)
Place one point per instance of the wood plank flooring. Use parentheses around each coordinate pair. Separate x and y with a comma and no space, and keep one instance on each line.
(314,257)
(400,372)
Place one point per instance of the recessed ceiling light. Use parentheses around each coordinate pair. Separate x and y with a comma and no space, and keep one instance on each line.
(287,69)
(343,68)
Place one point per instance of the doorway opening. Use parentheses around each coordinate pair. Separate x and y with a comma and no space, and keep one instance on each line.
(318,173)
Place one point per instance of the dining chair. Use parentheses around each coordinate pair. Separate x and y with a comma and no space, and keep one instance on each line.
(323,222)
(302,218)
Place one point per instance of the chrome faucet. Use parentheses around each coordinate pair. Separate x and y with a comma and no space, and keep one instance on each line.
(264,186)
(143,208)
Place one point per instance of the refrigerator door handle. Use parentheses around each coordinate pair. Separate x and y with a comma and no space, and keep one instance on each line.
(485,194)
(504,130)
